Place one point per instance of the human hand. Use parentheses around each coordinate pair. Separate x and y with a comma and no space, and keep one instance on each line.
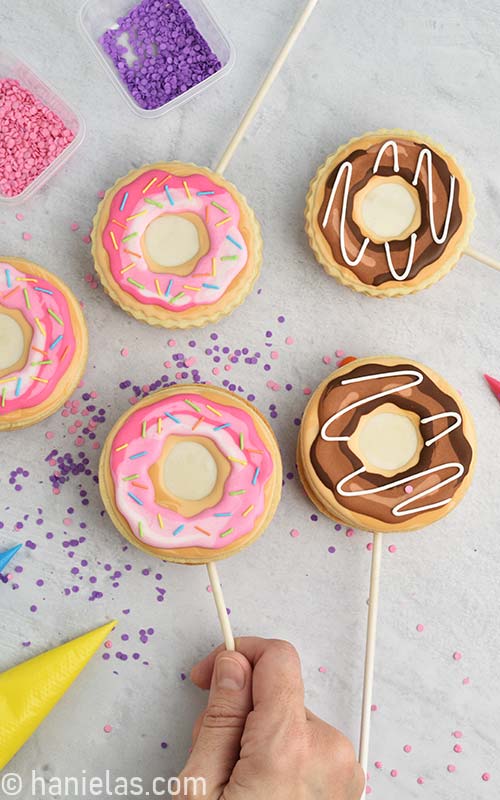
(256,740)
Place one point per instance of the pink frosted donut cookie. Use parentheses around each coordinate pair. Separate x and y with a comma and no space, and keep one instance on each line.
(176,245)
(191,474)
(43,343)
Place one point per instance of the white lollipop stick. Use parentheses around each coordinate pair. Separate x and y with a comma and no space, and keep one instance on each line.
(490,262)
(266,85)
(371,636)
(227,633)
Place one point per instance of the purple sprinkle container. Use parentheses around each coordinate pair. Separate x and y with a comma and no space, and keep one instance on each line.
(158,53)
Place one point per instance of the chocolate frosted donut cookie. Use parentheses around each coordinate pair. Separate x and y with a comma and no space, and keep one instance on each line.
(389,213)
(386,445)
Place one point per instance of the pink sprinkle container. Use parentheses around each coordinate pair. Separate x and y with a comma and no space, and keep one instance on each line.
(96,16)
(12,67)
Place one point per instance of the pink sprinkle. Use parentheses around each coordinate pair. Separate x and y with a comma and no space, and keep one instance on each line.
(466,681)
(56,491)
(407,748)
(86,239)
(107,729)
(89,277)
(457,734)
(178,376)
(74,226)
(323,670)
(327,359)
(485,776)
(349,532)
(420,781)
(378,764)
(190,361)
(124,352)
(394,773)
(95,445)
(215,371)
(27,236)
(392,548)
(273,385)
(289,340)
(19,216)
(209,589)
(340,353)
(451,768)
(49,435)
(374,708)
(307,390)
(369,546)
(101,193)
(408,489)
(294,533)
(275,355)
(108,644)
(457,656)
(79,441)
(227,368)
(458,748)
(71,429)
(368,790)
(167,364)
(171,342)
(420,627)
(67,521)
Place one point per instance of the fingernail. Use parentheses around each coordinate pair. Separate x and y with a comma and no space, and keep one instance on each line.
(229,674)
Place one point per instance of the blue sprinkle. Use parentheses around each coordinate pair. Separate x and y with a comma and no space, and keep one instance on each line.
(170,198)
(137,499)
(125,198)
(228,514)
(171,416)
(230,238)
(256,475)
(202,194)
(167,293)
(18,387)
(139,455)
(221,427)
(45,291)
(178,530)
(8,278)
(210,286)
(56,342)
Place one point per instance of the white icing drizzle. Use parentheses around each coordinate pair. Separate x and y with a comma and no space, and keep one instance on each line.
(400,509)
(390,143)
(408,372)
(427,154)
(438,239)
(452,427)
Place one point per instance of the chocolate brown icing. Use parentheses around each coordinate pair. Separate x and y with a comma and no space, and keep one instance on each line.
(333,461)
(373,268)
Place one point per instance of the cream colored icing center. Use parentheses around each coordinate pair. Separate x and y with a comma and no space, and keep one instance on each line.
(11,341)
(388,209)
(171,240)
(189,471)
(388,441)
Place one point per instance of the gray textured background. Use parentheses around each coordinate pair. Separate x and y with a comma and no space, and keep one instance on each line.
(431,66)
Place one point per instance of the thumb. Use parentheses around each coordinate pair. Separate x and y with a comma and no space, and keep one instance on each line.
(217,746)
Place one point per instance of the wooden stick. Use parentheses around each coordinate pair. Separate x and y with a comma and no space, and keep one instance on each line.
(266,85)
(490,262)
(371,635)
(225,625)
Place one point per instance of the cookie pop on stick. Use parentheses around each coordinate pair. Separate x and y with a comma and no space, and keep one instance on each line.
(177,245)
(390,213)
(385,445)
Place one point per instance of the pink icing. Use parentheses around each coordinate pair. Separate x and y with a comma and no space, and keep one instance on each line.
(131,454)
(228,246)
(34,383)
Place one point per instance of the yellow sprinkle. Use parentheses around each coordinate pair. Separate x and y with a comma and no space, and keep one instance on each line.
(247,512)
(113,239)
(122,447)
(149,185)
(126,269)
(186,189)
(7,380)
(137,215)
(214,267)
(223,222)
(40,326)
(41,380)
(158,287)
(193,288)
(28,280)
(159,425)
(160,520)
(26,298)
(238,461)
(4,392)
(144,429)
(214,411)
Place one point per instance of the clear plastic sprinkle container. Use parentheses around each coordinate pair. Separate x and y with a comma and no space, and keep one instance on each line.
(11,67)
(96,17)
